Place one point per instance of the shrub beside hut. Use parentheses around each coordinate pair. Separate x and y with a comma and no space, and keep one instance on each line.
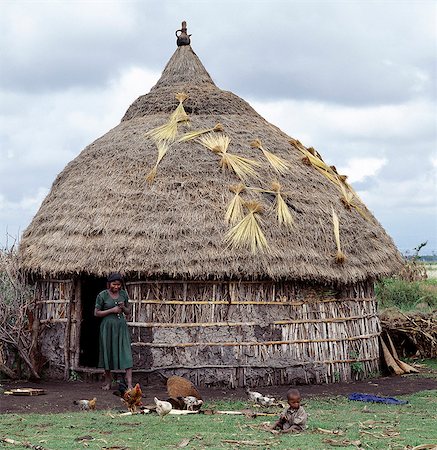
(247,258)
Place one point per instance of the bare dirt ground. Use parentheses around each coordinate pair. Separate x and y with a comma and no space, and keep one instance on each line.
(60,395)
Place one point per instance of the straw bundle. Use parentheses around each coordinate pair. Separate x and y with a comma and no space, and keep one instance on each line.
(348,198)
(195,134)
(219,143)
(280,165)
(165,135)
(169,130)
(283,213)
(247,233)
(340,256)
(162,150)
(235,212)
(313,158)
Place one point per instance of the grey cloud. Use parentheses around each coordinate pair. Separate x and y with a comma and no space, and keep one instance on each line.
(350,54)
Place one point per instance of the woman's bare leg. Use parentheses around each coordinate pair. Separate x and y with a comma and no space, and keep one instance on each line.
(129,378)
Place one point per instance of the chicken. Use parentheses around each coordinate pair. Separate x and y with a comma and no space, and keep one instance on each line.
(266,401)
(192,403)
(181,387)
(254,396)
(132,398)
(86,405)
(121,389)
(162,407)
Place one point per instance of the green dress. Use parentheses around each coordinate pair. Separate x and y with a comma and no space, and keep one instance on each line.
(115,351)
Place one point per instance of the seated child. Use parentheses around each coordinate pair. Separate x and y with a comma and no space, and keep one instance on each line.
(294,419)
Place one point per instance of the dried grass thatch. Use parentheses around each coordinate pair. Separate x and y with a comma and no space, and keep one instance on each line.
(101,215)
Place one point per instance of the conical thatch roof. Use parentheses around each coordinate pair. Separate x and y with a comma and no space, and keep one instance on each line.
(103,215)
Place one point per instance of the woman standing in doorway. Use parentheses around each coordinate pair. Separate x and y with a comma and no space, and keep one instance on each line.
(115,350)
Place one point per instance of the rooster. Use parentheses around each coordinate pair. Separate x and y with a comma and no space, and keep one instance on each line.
(86,405)
(132,398)
(162,407)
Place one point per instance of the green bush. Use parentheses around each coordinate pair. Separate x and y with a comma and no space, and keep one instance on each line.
(405,295)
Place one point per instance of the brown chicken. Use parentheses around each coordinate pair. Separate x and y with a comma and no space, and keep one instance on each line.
(178,388)
(132,398)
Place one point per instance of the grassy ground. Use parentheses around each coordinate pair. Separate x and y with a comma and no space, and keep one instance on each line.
(373,426)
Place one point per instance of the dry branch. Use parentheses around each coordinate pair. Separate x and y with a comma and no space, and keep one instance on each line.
(16,319)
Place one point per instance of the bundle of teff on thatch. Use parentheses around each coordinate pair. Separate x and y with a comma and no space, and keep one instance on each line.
(249,259)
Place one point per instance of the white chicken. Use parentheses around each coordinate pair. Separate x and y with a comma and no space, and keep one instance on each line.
(162,407)
(192,402)
(254,396)
(86,405)
(266,401)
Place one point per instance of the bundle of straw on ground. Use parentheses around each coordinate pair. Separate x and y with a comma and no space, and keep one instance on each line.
(217,294)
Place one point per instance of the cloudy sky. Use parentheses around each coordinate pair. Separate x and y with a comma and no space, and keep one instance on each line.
(354,79)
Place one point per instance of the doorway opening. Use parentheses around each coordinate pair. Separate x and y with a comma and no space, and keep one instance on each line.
(90,326)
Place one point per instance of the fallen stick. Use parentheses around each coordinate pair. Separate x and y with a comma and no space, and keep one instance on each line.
(130,413)
(425,447)
(255,443)
(337,432)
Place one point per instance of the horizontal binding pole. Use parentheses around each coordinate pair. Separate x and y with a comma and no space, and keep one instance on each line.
(251,366)
(40,302)
(245,324)
(227,366)
(157,282)
(53,320)
(248,302)
(55,281)
(247,344)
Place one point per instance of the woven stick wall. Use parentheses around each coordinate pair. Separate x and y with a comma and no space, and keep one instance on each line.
(253,332)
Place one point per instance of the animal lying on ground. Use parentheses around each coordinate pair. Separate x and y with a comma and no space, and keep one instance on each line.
(86,405)
(192,403)
(254,396)
(257,397)
(178,389)
(266,401)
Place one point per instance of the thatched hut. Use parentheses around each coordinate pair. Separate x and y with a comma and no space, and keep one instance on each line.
(247,258)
